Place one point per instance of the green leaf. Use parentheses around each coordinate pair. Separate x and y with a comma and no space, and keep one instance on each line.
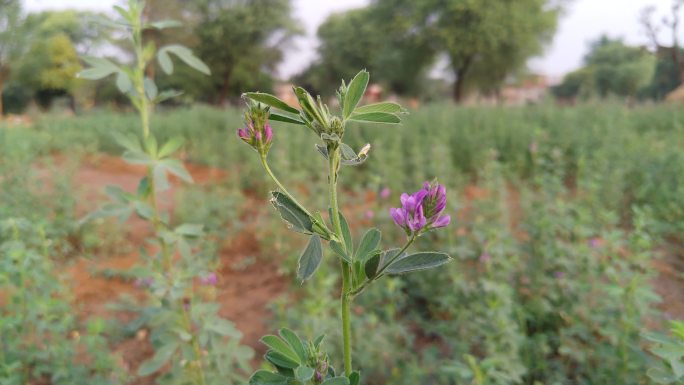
(190,230)
(308,105)
(347,152)
(336,381)
(295,342)
(303,373)
(354,378)
(163,24)
(264,377)
(281,347)
(346,234)
(417,261)
(186,55)
(376,117)
(222,326)
(176,167)
(99,68)
(161,356)
(355,91)
(386,107)
(168,94)
(310,258)
(129,142)
(318,341)
(286,117)
(123,13)
(339,250)
(320,228)
(371,266)
(151,146)
(279,360)
(161,182)
(369,242)
(144,210)
(170,147)
(323,150)
(137,157)
(123,82)
(272,101)
(661,376)
(151,89)
(294,215)
(165,62)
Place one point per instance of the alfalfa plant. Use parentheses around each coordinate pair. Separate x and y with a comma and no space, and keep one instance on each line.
(304,362)
(190,339)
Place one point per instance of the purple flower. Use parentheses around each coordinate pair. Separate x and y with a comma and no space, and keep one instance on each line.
(594,243)
(144,282)
(485,257)
(370,214)
(385,193)
(209,280)
(559,274)
(256,137)
(422,210)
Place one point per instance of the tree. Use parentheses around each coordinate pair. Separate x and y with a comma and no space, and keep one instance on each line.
(242,40)
(653,29)
(78,26)
(575,84)
(380,38)
(611,68)
(619,69)
(494,36)
(49,68)
(11,39)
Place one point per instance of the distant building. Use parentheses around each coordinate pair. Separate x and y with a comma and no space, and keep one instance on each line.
(531,89)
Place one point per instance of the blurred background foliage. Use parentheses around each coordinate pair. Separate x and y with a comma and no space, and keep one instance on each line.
(422,50)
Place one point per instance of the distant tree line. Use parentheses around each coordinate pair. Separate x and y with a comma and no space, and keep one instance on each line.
(476,45)
(613,68)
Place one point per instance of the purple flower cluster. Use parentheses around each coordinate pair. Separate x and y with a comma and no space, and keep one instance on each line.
(422,210)
(255,137)
(209,279)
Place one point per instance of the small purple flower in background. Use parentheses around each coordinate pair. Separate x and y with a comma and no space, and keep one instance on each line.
(385,193)
(209,280)
(533,147)
(559,274)
(422,210)
(370,214)
(595,243)
(144,282)
(485,257)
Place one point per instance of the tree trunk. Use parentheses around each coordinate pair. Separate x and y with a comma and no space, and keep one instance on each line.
(460,72)
(223,92)
(2,82)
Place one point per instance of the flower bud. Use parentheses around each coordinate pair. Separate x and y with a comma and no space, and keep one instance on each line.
(422,210)
(257,131)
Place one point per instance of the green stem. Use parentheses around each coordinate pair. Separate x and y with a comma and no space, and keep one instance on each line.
(345,296)
(195,345)
(282,188)
(385,265)
(388,263)
(158,224)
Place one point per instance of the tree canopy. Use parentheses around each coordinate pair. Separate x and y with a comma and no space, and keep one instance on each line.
(611,68)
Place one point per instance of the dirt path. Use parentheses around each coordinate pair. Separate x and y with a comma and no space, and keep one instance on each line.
(670,281)
(243,294)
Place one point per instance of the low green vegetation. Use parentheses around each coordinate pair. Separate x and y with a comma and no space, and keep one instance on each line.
(556,214)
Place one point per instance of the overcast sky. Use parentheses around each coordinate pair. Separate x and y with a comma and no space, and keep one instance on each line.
(583,22)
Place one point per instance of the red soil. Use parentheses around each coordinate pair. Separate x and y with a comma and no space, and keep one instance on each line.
(243,294)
